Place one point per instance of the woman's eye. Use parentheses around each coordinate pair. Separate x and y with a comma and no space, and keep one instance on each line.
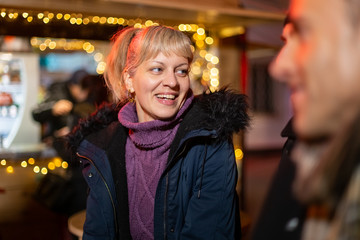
(182,72)
(156,70)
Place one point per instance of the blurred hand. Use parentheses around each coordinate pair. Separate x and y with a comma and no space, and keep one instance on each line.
(62,132)
(62,107)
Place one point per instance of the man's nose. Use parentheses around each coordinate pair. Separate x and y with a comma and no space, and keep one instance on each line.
(281,67)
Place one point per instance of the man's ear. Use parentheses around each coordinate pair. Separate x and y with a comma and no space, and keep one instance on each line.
(128,82)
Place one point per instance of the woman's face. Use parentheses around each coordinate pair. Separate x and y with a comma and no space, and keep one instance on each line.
(160,85)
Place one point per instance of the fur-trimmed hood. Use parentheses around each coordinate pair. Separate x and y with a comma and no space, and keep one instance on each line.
(223,111)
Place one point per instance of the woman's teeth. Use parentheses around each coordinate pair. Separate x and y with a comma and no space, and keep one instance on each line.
(166,96)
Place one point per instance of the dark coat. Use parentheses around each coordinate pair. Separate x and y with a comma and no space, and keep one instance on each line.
(42,113)
(196,196)
(282,216)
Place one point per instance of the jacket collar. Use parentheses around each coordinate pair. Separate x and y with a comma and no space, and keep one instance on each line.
(223,112)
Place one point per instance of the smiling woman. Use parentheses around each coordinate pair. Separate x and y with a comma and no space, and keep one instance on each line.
(161,86)
(159,162)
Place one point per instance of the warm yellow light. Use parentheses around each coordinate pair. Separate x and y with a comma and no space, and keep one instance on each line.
(64,165)
(214,82)
(115,20)
(182,27)
(72,20)
(214,60)
(201,37)
(91,49)
(42,47)
(50,15)
(59,16)
(67,16)
(120,21)
(10,169)
(131,22)
(194,27)
(110,20)
(95,19)
(208,57)
(103,20)
(57,162)
(239,154)
(44,170)
(202,53)
(11,15)
(98,57)
(36,169)
(51,165)
(86,21)
(24,164)
(200,31)
(188,27)
(214,71)
(46,20)
(200,43)
(67,46)
(61,43)
(101,67)
(79,21)
(79,44)
(52,45)
(149,23)
(212,89)
(31,161)
(47,41)
(209,40)
(25,14)
(3,162)
(231,31)
(196,70)
(86,46)
(40,15)
(137,25)
(206,77)
(3,14)
(206,71)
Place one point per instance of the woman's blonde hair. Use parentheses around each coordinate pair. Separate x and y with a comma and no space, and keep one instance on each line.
(133,46)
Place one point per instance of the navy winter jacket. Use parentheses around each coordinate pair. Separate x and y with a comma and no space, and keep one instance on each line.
(196,196)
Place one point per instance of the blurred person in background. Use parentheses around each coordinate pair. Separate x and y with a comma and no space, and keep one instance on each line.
(64,105)
(322,70)
(54,113)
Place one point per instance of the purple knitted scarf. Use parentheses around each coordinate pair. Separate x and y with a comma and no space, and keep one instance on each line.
(146,153)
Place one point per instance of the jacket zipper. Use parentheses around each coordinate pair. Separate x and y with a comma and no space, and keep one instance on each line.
(107,189)
(167,188)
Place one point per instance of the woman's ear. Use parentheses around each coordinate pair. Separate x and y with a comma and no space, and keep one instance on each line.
(128,82)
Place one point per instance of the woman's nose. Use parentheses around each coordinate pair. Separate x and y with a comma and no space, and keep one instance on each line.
(170,80)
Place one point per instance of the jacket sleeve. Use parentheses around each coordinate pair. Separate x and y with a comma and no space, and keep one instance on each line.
(213,211)
(43,112)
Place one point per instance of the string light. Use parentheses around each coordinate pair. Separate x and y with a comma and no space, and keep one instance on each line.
(202,42)
(42,167)
(239,154)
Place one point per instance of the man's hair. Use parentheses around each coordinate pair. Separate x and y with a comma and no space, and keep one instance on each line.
(286,20)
